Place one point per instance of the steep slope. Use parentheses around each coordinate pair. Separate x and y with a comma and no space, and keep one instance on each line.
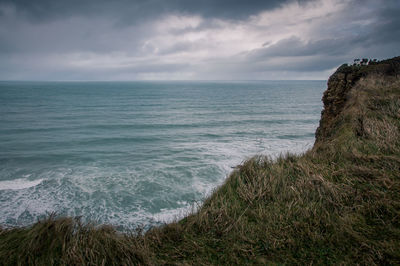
(337,203)
(342,82)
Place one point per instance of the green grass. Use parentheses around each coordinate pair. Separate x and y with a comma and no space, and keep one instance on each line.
(339,203)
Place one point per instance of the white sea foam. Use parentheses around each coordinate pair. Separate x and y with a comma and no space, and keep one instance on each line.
(20,183)
(170,215)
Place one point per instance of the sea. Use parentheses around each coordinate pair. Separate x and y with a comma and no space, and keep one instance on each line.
(140,153)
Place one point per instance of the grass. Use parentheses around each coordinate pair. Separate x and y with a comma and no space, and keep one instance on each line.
(339,203)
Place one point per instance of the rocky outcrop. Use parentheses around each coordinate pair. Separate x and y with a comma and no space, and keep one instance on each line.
(339,85)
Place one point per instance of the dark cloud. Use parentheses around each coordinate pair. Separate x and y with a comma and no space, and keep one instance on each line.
(96,35)
(387,28)
(122,39)
(294,46)
(374,33)
(179,47)
(129,11)
(312,63)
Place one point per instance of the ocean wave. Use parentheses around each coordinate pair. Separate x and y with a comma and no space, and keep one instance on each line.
(21,183)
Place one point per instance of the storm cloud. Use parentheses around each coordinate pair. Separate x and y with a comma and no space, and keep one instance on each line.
(177,39)
(139,10)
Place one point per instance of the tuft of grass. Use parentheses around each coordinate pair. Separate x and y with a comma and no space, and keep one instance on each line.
(66,241)
(339,203)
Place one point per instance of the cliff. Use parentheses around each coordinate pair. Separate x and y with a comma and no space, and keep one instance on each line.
(341,83)
(338,203)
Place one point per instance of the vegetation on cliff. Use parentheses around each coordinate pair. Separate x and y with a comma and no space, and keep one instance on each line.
(337,203)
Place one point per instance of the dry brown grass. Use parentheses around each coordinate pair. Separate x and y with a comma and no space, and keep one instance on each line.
(67,241)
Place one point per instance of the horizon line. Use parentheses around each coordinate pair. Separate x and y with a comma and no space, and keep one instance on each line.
(166,80)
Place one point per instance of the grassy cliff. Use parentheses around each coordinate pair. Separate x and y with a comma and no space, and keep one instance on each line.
(337,203)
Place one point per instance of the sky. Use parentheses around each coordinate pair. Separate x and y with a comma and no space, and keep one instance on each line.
(192,40)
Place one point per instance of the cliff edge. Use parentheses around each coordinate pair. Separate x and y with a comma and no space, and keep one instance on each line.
(339,203)
(341,83)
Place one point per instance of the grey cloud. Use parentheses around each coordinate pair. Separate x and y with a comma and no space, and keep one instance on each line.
(73,35)
(149,67)
(179,48)
(378,38)
(384,14)
(37,68)
(305,64)
(286,69)
(388,29)
(309,63)
(203,25)
(137,10)
(36,34)
(294,47)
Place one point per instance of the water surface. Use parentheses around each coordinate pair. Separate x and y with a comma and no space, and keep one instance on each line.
(130,153)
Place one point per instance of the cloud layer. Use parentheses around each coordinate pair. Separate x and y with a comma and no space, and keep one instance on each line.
(125,40)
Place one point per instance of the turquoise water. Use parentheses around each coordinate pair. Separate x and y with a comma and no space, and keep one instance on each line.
(130,153)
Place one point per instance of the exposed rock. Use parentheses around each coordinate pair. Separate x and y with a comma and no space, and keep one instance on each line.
(339,85)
